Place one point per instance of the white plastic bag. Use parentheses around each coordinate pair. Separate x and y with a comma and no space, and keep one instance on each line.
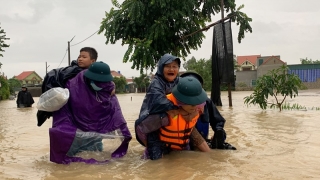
(53,99)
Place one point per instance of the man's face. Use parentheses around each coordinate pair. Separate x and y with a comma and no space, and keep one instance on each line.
(24,89)
(170,71)
(84,60)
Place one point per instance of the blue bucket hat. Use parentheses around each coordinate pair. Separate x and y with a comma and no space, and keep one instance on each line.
(99,71)
(189,91)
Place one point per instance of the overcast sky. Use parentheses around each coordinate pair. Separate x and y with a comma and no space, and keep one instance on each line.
(40,29)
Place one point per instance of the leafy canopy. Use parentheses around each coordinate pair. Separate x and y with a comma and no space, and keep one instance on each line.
(2,41)
(309,61)
(142,82)
(4,89)
(120,83)
(202,67)
(152,28)
(275,83)
(14,84)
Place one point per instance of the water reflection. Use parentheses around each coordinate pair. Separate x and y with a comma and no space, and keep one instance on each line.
(271,145)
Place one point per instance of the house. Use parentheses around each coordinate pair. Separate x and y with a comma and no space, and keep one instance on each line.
(247,63)
(116,74)
(254,66)
(29,78)
(268,63)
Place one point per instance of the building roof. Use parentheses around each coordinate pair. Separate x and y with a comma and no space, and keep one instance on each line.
(24,75)
(272,57)
(116,74)
(250,58)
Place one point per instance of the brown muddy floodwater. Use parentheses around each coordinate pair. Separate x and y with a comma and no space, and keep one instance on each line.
(271,145)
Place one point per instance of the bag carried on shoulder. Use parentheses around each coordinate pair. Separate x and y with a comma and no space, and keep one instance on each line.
(53,99)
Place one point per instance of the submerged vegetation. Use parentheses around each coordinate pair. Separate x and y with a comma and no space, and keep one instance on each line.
(275,83)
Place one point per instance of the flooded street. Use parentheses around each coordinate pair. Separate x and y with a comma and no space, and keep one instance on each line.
(270,145)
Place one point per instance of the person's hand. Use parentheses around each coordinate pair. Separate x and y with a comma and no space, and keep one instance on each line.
(218,141)
(42,116)
(113,92)
(173,113)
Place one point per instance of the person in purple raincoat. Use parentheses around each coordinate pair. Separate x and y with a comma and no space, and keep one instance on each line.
(92,114)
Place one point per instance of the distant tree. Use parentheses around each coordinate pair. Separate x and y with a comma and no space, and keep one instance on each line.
(120,84)
(13,84)
(2,42)
(203,67)
(142,82)
(275,83)
(4,89)
(152,28)
(309,61)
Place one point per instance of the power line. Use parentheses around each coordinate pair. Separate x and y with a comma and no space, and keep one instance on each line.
(63,58)
(85,39)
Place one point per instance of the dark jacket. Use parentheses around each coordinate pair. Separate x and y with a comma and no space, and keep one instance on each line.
(24,99)
(57,78)
(155,101)
(210,116)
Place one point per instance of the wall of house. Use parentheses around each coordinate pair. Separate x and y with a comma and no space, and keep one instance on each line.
(264,69)
(246,77)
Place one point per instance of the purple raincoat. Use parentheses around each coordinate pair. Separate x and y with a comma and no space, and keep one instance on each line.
(96,113)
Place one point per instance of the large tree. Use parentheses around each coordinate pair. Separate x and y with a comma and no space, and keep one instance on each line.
(2,41)
(152,28)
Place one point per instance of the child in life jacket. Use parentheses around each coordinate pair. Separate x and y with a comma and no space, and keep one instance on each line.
(175,130)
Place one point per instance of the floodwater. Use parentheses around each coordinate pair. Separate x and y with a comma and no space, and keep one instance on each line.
(270,145)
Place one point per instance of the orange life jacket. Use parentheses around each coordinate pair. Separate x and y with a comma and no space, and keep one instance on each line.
(176,135)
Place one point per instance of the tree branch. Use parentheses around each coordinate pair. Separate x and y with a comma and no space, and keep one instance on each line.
(209,26)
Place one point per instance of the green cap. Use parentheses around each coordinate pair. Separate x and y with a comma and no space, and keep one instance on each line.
(193,74)
(189,91)
(99,71)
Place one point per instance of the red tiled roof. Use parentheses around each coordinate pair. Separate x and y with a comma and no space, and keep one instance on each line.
(116,74)
(24,75)
(251,58)
(271,57)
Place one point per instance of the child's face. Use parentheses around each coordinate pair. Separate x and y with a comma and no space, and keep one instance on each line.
(189,108)
(84,60)
(170,71)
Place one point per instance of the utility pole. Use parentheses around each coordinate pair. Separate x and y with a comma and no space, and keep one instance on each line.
(69,51)
(47,68)
(224,37)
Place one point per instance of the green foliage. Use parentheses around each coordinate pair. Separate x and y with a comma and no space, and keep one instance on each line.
(2,42)
(142,82)
(4,89)
(152,28)
(13,84)
(120,84)
(203,67)
(275,83)
(309,61)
